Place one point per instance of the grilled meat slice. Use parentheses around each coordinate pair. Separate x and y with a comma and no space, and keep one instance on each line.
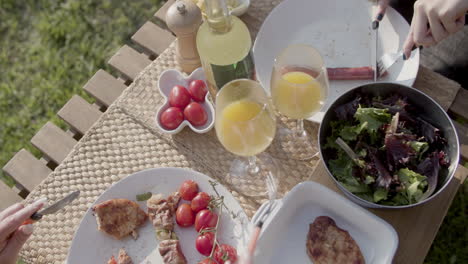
(161,213)
(112,261)
(123,257)
(171,252)
(119,217)
(329,244)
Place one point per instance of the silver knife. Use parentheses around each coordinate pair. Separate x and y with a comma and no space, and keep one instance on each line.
(375,27)
(55,206)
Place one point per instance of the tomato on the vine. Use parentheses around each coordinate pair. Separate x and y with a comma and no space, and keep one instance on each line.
(188,190)
(184,215)
(205,219)
(200,202)
(224,253)
(204,243)
(207,261)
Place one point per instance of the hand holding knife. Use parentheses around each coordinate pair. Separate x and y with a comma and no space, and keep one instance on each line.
(52,208)
(16,224)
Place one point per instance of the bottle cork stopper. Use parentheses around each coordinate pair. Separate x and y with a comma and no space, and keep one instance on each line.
(184,18)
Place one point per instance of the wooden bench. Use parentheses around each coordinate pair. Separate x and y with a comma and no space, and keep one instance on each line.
(55,144)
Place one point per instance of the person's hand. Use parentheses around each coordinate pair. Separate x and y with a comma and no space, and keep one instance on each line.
(381,8)
(434,20)
(13,234)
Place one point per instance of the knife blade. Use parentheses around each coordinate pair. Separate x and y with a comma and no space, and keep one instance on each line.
(375,27)
(55,206)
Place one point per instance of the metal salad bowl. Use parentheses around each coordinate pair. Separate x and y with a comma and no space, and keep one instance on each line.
(429,111)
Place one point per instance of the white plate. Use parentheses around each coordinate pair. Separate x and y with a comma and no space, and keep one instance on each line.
(283,238)
(341,31)
(92,246)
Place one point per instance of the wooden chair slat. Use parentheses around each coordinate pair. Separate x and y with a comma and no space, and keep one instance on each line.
(7,196)
(161,13)
(104,87)
(79,114)
(153,39)
(129,62)
(26,169)
(428,81)
(462,132)
(460,104)
(53,142)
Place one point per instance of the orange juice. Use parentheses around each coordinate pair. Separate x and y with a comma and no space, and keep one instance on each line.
(297,94)
(245,128)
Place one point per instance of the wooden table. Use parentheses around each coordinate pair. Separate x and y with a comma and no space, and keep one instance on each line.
(56,144)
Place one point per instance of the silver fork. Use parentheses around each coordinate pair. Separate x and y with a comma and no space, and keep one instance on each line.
(262,216)
(386,61)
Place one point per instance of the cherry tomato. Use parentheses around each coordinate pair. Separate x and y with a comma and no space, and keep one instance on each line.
(205,219)
(207,261)
(195,114)
(188,190)
(224,253)
(184,215)
(179,97)
(200,202)
(204,243)
(197,90)
(172,117)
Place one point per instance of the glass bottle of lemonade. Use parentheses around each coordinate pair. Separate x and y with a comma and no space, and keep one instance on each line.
(224,45)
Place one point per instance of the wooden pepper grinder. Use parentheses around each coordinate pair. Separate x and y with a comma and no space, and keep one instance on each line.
(184,18)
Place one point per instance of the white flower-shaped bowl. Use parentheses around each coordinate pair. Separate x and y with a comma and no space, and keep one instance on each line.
(169,79)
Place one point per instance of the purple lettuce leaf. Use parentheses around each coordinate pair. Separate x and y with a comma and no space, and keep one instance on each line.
(444,160)
(384,179)
(399,151)
(428,131)
(430,167)
(347,111)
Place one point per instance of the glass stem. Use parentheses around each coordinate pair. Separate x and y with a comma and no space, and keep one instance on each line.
(300,128)
(253,167)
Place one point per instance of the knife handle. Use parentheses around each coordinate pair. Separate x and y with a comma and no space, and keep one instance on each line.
(34,217)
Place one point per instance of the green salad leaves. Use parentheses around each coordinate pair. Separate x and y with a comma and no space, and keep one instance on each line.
(381,151)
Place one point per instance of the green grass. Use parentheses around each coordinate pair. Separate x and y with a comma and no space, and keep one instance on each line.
(49,49)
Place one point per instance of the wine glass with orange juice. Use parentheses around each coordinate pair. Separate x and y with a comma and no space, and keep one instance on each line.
(299,87)
(246,125)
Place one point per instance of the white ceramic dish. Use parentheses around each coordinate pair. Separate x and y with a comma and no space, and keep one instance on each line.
(341,31)
(92,246)
(283,237)
(170,78)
